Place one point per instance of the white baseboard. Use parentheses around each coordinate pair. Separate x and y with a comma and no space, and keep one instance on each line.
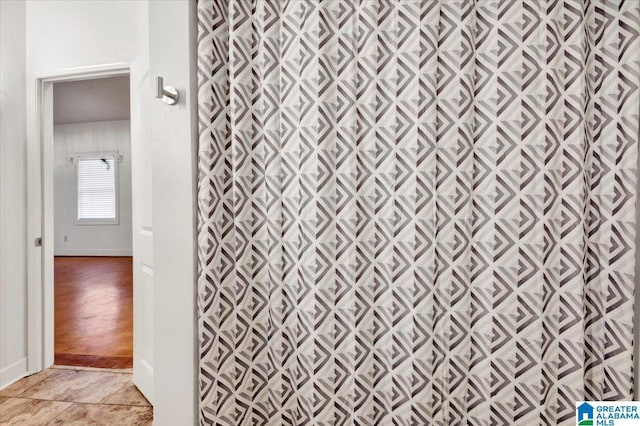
(94,252)
(13,372)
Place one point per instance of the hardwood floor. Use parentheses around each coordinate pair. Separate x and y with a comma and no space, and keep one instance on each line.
(93,299)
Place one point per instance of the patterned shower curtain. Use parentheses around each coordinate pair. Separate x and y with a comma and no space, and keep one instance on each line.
(416,212)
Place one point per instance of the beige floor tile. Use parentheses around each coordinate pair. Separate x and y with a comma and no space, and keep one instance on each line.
(77,386)
(99,414)
(127,395)
(65,396)
(23,384)
(27,412)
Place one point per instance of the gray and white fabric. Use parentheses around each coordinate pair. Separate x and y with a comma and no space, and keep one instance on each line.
(415,212)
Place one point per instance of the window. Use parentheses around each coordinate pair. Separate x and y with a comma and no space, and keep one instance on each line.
(97,198)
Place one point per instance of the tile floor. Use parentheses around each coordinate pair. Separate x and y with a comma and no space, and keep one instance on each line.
(75,396)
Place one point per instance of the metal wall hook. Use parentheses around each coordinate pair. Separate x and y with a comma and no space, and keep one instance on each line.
(168,94)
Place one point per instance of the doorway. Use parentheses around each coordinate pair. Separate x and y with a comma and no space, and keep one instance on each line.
(41,173)
(93,276)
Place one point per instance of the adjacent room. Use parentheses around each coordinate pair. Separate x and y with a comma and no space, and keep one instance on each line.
(93,291)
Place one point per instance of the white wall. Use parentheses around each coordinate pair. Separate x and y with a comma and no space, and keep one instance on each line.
(13,292)
(62,36)
(90,240)
(68,34)
(174,131)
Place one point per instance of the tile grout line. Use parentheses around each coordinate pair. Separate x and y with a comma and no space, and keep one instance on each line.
(55,367)
(60,413)
(71,405)
(28,387)
(78,402)
(102,403)
(122,386)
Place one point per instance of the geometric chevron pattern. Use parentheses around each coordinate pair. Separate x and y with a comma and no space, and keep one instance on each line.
(415,212)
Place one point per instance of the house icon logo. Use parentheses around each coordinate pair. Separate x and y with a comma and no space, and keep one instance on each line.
(584,414)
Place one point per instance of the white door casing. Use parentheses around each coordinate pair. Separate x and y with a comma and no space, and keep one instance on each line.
(40,199)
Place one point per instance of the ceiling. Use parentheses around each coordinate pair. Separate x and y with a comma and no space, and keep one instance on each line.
(103,99)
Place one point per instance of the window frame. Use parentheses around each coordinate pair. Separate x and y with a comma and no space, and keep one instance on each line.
(96,156)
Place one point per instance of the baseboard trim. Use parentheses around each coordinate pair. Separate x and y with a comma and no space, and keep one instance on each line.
(98,252)
(13,372)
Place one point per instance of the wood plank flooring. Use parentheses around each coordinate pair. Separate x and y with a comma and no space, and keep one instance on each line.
(93,299)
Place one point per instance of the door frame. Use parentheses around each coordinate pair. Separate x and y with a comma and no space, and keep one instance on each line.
(40,314)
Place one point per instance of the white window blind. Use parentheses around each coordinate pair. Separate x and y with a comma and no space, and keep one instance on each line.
(97,197)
